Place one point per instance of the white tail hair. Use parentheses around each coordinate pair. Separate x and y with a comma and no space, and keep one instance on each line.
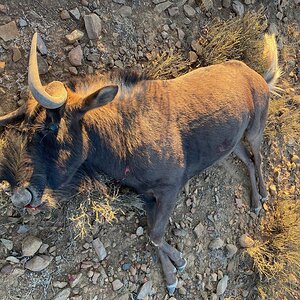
(271,58)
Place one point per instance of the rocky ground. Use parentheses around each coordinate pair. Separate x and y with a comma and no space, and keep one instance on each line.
(39,257)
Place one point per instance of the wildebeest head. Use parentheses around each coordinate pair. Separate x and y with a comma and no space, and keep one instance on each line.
(51,143)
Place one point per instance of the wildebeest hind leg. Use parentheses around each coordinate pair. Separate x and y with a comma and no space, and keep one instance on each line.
(242,153)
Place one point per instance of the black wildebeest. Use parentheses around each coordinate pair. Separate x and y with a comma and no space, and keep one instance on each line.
(153,134)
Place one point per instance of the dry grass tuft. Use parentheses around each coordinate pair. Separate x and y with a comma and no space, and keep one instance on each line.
(100,204)
(237,38)
(276,255)
(166,65)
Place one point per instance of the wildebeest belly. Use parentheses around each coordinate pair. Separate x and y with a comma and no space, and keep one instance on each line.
(207,143)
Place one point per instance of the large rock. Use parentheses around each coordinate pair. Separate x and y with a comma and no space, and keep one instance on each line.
(31,245)
(238,8)
(93,26)
(38,263)
(9,31)
(75,56)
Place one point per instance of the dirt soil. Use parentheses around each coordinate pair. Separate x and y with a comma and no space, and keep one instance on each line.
(214,205)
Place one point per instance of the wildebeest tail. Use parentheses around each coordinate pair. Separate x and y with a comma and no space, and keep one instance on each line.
(270,55)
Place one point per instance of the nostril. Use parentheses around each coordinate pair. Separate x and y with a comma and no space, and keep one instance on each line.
(21,197)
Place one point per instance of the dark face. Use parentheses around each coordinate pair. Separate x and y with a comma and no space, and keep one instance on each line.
(47,150)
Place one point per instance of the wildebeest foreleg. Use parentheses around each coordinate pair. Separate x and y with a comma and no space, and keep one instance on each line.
(159,214)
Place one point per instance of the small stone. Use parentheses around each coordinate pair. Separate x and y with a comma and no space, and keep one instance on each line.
(214,296)
(216,244)
(119,64)
(117,284)
(246,241)
(182,291)
(73,70)
(63,295)
(16,54)
(139,231)
(125,11)
(222,285)
(12,259)
(207,4)
(238,8)
(43,65)
(93,57)
(41,45)
(93,26)
(188,10)
(119,1)
(126,266)
(273,189)
(30,245)
(84,3)
(226,3)
(43,248)
(193,57)
(99,248)
(214,277)
(7,269)
(181,34)
(231,250)
(162,6)
(164,34)
(173,11)
(3,9)
(38,263)
(74,36)
(75,13)
(75,56)
(9,31)
(247,2)
(74,279)
(60,284)
(145,290)
(279,15)
(95,277)
(2,66)
(22,22)
(8,244)
(64,15)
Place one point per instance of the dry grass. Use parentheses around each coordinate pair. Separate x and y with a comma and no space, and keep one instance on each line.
(237,38)
(166,65)
(100,204)
(276,254)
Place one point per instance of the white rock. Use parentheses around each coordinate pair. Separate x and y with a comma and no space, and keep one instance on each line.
(31,245)
(99,248)
(145,290)
(12,259)
(222,285)
(139,231)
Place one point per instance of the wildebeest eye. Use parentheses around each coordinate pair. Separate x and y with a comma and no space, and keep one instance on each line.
(53,127)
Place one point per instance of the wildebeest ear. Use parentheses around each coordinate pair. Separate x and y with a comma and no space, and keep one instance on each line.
(99,98)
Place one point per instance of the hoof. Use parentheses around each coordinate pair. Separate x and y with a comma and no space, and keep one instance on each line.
(264,200)
(257,210)
(182,268)
(172,287)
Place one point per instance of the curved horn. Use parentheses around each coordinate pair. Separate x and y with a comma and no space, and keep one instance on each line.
(55,94)
(13,116)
